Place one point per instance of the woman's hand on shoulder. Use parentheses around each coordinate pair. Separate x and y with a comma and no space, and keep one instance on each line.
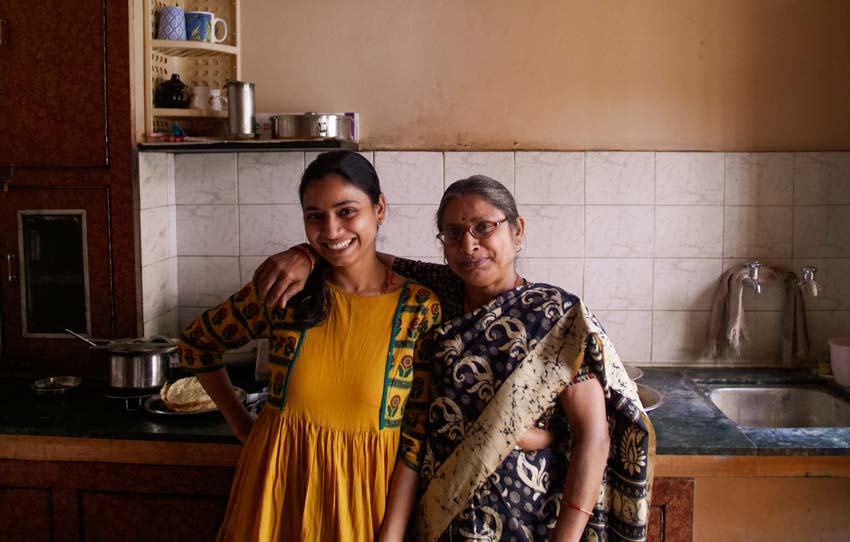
(281,276)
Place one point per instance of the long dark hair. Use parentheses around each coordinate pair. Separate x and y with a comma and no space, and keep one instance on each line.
(312,304)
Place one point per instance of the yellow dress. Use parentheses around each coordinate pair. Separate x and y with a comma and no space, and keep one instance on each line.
(318,463)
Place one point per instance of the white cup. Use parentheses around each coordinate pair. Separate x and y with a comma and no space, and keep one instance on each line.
(839,357)
(200,98)
(217,101)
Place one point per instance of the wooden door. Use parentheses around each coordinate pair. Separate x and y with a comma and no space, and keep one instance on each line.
(56,273)
(53,83)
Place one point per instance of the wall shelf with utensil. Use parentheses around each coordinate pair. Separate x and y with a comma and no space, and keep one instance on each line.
(165,113)
(203,64)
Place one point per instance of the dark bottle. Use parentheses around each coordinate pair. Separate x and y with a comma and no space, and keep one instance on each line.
(172,93)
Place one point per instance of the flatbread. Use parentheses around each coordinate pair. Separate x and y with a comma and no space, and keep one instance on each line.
(186,395)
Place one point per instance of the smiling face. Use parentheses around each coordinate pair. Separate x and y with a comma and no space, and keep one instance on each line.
(340,220)
(483,264)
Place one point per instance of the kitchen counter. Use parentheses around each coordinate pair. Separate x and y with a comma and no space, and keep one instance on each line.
(688,423)
(691,432)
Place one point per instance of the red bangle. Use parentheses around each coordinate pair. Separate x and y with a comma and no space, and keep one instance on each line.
(579,508)
(307,250)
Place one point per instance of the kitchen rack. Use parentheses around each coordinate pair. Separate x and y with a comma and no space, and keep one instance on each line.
(197,63)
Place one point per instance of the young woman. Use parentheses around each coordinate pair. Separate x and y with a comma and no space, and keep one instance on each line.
(534,430)
(319,463)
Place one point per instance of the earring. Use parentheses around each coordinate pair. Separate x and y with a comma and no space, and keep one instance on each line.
(380,223)
(519,248)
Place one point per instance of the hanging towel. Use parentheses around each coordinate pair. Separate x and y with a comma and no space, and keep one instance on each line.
(795,331)
(726,326)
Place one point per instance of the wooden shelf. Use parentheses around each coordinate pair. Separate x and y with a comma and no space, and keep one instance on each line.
(188,113)
(185,49)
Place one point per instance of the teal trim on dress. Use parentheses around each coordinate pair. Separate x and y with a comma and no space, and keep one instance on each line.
(291,368)
(396,320)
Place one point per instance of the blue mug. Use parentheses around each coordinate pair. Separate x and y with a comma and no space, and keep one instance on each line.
(172,24)
(201,25)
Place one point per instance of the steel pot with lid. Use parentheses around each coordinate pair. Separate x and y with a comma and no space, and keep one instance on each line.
(136,366)
(313,126)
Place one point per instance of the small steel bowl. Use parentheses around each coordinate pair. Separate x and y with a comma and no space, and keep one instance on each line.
(56,385)
(633,372)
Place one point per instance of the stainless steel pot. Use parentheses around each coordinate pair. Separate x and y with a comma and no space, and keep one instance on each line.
(313,126)
(139,364)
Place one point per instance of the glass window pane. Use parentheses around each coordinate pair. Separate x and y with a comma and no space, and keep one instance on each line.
(54,272)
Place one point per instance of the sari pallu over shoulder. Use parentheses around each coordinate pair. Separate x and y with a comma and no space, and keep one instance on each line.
(547,359)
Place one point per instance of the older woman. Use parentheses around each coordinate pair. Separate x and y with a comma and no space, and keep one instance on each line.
(534,431)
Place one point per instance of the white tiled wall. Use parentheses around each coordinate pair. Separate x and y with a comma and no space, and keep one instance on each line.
(643,237)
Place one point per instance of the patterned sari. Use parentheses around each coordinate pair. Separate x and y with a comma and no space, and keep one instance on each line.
(493,374)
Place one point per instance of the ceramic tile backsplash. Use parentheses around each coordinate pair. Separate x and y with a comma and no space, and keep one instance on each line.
(204,281)
(625,178)
(618,231)
(688,231)
(156,179)
(549,178)
(409,230)
(553,231)
(410,177)
(268,229)
(205,178)
(822,178)
(266,177)
(498,165)
(207,230)
(822,231)
(685,284)
(159,288)
(642,237)
(568,273)
(689,178)
(158,230)
(757,232)
(618,283)
(759,178)
(679,336)
(630,331)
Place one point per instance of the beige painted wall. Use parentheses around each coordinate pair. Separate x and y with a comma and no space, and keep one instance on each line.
(561,74)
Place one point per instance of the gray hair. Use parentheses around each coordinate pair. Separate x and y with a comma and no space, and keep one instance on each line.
(490,189)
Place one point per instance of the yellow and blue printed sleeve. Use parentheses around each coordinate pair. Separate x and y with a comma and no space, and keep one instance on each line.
(232,324)
(413,426)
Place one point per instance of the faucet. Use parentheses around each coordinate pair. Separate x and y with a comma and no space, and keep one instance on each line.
(752,278)
(808,284)
(808,272)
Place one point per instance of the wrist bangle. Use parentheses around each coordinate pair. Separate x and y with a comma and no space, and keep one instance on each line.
(579,508)
(306,250)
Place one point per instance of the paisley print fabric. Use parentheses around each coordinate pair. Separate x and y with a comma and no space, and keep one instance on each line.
(494,373)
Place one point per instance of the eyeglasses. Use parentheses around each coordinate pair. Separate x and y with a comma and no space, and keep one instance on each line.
(480,230)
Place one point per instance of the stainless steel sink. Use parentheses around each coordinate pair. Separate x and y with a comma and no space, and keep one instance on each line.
(781,406)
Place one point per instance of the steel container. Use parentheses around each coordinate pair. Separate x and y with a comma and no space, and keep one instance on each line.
(241,119)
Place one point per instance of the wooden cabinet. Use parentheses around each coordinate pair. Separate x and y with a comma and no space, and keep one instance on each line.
(65,69)
(197,63)
(69,501)
(53,65)
(671,514)
(57,274)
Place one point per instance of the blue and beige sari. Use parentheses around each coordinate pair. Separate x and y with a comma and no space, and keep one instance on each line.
(494,373)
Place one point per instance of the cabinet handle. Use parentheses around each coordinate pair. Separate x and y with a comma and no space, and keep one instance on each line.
(4,42)
(10,269)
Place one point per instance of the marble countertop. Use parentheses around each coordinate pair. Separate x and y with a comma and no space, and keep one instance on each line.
(687,423)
